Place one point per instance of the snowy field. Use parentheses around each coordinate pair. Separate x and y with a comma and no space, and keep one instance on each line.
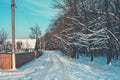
(53,66)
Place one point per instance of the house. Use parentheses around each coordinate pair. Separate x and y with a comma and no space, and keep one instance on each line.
(21,45)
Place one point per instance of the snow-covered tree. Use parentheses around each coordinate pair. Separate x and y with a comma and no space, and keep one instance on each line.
(87,26)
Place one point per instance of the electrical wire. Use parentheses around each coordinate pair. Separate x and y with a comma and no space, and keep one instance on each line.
(20,4)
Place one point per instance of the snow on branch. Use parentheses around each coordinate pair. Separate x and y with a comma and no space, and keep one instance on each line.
(110,13)
(84,26)
(62,40)
(87,36)
(68,29)
(95,33)
(112,34)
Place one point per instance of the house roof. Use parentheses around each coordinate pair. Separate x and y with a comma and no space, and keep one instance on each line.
(26,43)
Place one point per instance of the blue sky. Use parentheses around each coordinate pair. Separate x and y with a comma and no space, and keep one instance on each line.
(28,13)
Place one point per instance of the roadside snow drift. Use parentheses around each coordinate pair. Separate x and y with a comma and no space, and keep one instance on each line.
(53,66)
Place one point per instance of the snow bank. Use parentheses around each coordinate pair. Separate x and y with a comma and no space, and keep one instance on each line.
(53,66)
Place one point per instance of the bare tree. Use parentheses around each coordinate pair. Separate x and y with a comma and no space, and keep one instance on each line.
(35,32)
(3,36)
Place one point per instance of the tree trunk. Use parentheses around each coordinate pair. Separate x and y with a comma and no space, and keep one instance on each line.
(108,25)
(109,56)
(91,56)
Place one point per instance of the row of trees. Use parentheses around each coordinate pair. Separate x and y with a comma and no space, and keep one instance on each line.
(90,27)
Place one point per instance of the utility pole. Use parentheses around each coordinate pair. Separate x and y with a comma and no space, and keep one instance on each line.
(13,34)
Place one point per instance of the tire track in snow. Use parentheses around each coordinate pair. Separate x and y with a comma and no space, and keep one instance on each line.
(54,70)
(63,68)
(44,71)
(76,71)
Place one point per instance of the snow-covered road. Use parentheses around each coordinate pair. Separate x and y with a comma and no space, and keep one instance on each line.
(53,66)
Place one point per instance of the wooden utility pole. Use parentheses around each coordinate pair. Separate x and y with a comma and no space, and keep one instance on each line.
(13,34)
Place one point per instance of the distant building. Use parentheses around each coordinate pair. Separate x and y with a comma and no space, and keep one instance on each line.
(21,45)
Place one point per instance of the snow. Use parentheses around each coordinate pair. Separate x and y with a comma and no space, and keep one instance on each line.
(26,43)
(54,66)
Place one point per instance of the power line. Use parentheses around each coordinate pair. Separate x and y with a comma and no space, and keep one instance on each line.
(25,11)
